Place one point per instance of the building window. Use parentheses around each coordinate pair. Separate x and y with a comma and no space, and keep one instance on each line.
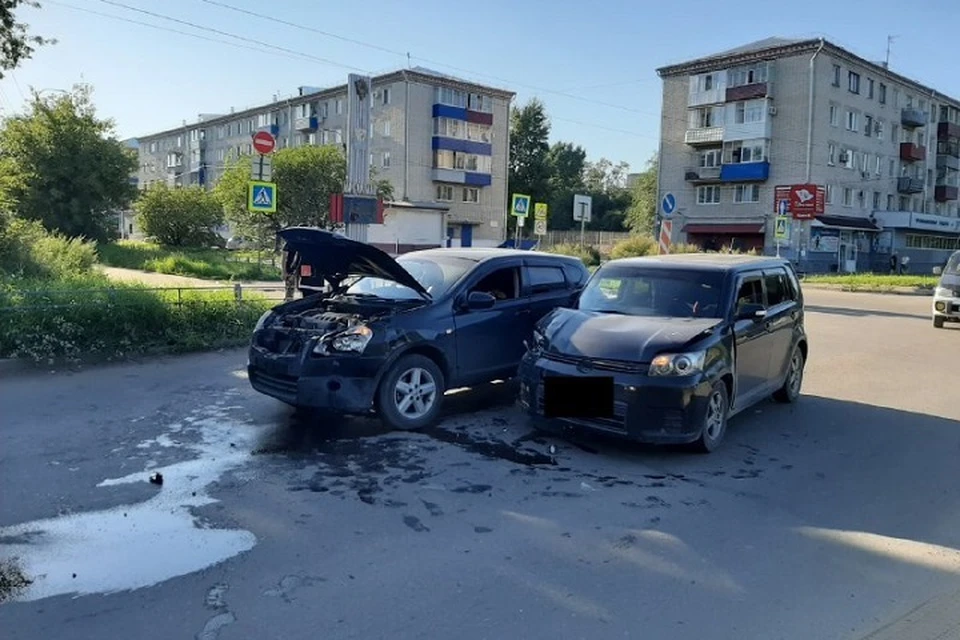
(853,82)
(745,151)
(847,157)
(339,106)
(868,125)
(882,93)
(744,193)
(847,197)
(870,88)
(452,97)
(711,158)
(479,132)
(478,102)
(751,74)
(386,129)
(709,194)
(337,136)
(831,154)
(878,167)
(444,193)
(385,160)
(834,115)
(836,75)
(706,82)
(751,111)
(471,194)
(386,96)
(828,199)
(878,129)
(853,121)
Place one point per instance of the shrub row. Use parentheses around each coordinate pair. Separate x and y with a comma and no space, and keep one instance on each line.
(210,264)
(632,247)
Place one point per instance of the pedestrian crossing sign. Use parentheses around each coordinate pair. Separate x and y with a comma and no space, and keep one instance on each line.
(782,230)
(521,205)
(262,197)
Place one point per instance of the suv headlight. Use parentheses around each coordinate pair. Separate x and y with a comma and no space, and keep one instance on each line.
(678,364)
(538,341)
(263,320)
(352,340)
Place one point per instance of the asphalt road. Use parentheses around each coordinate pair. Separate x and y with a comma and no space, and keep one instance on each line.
(837,517)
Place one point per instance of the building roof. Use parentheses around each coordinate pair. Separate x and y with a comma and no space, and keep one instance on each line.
(777,47)
(415,74)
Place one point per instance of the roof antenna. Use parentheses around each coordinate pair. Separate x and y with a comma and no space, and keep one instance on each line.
(408,59)
(886,62)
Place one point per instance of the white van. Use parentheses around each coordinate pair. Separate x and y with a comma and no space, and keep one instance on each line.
(946,297)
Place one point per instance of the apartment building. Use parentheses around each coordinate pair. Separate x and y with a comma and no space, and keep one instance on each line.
(743,130)
(442,142)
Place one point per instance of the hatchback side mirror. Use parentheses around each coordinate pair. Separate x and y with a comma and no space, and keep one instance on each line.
(937,271)
(755,312)
(480,300)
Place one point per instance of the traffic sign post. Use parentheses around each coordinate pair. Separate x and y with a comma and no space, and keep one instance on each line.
(781,230)
(261,169)
(582,211)
(540,218)
(666,235)
(519,208)
(264,143)
(669,204)
(540,227)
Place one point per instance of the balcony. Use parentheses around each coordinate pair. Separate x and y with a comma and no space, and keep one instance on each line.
(948,130)
(944,193)
(909,185)
(701,175)
(709,135)
(310,123)
(750,91)
(913,118)
(910,152)
(749,130)
(745,172)
(948,161)
(708,96)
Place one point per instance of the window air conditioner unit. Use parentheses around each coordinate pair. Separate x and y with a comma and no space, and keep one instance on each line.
(844,157)
(772,111)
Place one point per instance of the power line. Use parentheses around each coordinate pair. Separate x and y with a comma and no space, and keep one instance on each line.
(231,35)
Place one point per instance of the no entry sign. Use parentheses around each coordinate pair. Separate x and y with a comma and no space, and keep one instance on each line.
(263,142)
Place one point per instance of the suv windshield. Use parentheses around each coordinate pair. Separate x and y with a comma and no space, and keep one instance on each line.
(436,274)
(640,291)
(953,265)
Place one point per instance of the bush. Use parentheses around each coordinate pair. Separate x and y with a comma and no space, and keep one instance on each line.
(211,264)
(589,254)
(75,317)
(633,247)
(27,250)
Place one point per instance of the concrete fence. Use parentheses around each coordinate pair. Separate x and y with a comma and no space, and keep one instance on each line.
(594,238)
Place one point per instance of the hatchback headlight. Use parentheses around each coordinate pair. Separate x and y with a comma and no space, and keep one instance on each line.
(352,340)
(678,364)
(261,323)
(538,341)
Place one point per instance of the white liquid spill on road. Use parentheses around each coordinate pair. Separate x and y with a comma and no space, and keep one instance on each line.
(141,545)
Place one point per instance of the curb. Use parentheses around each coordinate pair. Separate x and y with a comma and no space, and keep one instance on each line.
(12,366)
(891,292)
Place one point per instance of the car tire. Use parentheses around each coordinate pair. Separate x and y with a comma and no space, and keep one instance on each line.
(410,394)
(790,391)
(938,322)
(714,419)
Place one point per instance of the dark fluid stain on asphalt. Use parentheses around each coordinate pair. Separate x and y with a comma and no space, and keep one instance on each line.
(414,523)
(482,529)
(433,508)
(496,449)
(473,488)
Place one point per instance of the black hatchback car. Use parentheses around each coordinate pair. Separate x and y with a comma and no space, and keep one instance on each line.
(377,334)
(671,346)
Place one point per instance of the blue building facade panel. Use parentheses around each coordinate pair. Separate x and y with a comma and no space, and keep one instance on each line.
(745,172)
(463,146)
(478,179)
(446,111)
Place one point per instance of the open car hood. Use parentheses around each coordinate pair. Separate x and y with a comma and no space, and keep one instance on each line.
(333,258)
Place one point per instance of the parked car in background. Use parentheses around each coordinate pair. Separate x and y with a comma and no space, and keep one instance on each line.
(374,334)
(946,297)
(683,342)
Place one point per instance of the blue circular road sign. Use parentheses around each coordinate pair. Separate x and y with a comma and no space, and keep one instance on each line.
(668,204)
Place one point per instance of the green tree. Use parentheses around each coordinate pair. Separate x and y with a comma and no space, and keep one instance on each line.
(179,216)
(606,183)
(16,43)
(529,148)
(64,166)
(567,162)
(642,214)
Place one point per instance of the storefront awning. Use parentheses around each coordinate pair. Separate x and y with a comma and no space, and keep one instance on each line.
(846,222)
(753,228)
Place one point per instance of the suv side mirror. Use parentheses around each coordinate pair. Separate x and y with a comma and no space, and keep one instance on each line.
(480,300)
(937,271)
(755,312)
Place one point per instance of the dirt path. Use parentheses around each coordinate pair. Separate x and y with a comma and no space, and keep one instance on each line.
(263,287)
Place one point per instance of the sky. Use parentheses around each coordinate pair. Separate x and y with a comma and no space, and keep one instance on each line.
(592,64)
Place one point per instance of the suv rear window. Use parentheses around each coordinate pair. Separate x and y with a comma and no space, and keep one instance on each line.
(542,279)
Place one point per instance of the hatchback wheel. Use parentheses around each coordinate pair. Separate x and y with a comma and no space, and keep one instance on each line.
(410,394)
(938,322)
(790,390)
(714,420)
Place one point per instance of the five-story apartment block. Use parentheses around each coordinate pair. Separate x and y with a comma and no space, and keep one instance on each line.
(442,143)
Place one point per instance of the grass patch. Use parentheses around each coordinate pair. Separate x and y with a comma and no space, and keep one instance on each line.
(12,580)
(71,319)
(874,281)
(209,264)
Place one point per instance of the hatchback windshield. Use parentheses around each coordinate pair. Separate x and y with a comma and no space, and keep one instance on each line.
(639,291)
(436,274)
